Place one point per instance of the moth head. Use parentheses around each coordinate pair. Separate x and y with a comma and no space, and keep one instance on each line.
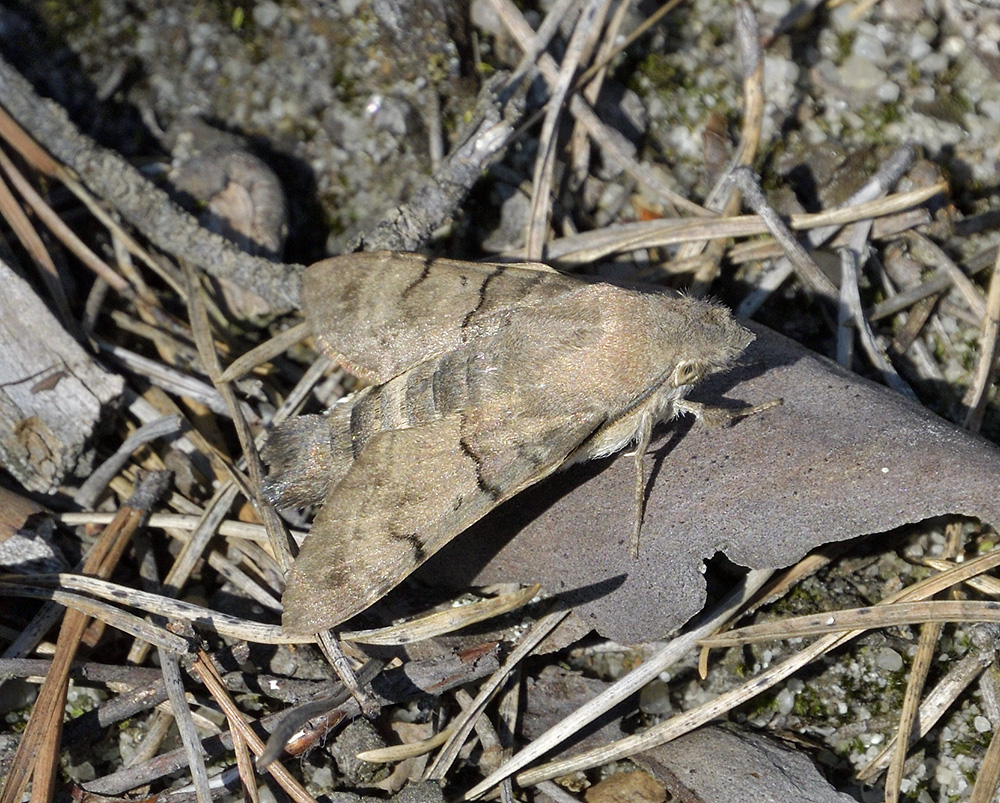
(713,339)
(687,372)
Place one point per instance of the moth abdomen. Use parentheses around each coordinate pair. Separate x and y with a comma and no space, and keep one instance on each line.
(307,456)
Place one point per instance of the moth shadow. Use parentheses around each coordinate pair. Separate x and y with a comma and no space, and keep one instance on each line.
(464,561)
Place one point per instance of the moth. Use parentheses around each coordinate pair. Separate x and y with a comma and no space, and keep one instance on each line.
(486,379)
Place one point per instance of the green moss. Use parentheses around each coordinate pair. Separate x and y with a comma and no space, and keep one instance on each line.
(809,704)
(845,43)
(663,74)
(876,118)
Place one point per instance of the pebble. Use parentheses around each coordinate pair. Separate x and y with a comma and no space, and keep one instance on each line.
(265,14)
(868,46)
(918,47)
(655,698)
(861,74)
(780,77)
(889,660)
(990,109)
(785,701)
(888,92)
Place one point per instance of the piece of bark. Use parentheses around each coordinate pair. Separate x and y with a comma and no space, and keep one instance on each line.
(842,457)
(53,396)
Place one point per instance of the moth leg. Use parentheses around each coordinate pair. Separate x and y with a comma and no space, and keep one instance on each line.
(717,416)
(644,432)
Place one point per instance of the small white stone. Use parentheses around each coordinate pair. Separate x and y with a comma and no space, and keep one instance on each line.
(889,660)
(785,701)
(867,45)
(888,92)
(918,48)
(265,14)
(982,724)
(861,73)
(935,63)
(655,698)
(990,109)
(775,8)
(953,45)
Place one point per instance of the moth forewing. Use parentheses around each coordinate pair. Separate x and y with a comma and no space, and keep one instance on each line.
(492,377)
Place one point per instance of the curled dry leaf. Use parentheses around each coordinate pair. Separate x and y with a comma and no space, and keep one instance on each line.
(842,457)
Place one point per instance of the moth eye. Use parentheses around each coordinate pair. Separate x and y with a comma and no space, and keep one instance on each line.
(686,372)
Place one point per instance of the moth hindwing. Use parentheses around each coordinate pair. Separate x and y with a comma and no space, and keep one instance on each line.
(488,377)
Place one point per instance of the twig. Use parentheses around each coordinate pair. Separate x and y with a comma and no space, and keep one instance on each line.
(612,144)
(443,761)
(86,497)
(935,704)
(723,197)
(590,17)
(140,202)
(878,185)
(989,340)
(296,718)
(37,754)
(808,271)
(174,685)
(624,688)
(407,227)
(850,310)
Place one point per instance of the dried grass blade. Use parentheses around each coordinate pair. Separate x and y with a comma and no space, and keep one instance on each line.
(850,309)
(101,477)
(399,752)
(723,197)
(684,723)
(23,143)
(808,271)
(192,551)
(919,669)
(626,687)
(221,623)
(607,139)
(244,765)
(280,539)
(986,365)
(442,622)
(185,725)
(237,722)
(985,584)
(541,185)
(851,619)
(34,588)
(12,212)
(591,81)
(464,724)
(679,725)
(593,245)
(62,232)
(989,771)
(933,254)
(37,754)
(265,352)
(937,701)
